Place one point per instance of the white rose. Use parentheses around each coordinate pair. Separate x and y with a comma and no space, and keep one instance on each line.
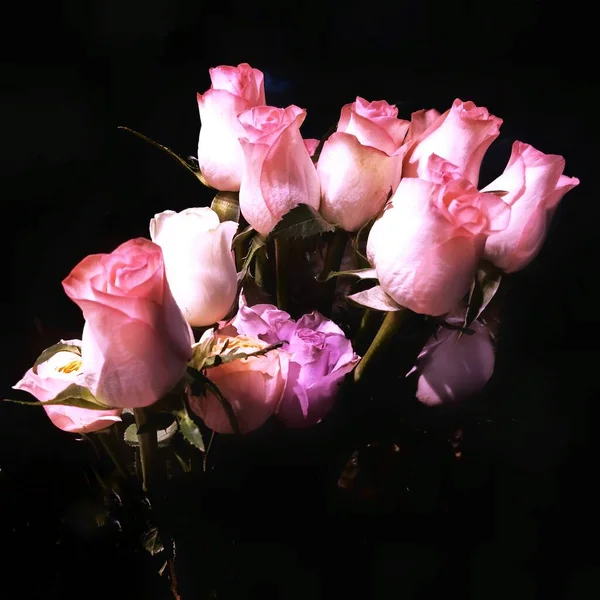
(199,262)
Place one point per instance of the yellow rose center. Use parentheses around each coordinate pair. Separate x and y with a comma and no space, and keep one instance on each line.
(70,367)
(240,343)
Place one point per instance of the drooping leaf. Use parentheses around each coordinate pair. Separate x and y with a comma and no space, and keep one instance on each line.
(484,287)
(52,350)
(156,421)
(227,206)
(163,435)
(189,429)
(258,242)
(130,435)
(73,395)
(360,273)
(151,541)
(301,222)
(376,299)
(242,236)
(200,383)
(193,169)
(221,359)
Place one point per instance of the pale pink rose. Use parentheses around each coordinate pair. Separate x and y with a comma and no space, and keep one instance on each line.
(278,171)
(55,375)
(451,367)
(199,262)
(361,164)
(136,343)
(232,91)
(535,184)
(427,244)
(253,386)
(461,136)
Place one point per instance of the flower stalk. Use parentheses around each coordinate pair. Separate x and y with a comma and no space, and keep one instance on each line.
(148,451)
(390,326)
(333,260)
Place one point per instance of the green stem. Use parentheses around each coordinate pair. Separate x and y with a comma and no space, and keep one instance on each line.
(387,331)
(333,260)
(282,254)
(148,451)
(370,319)
(261,265)
(108,447)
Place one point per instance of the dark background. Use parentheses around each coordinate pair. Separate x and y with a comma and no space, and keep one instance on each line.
(517,515)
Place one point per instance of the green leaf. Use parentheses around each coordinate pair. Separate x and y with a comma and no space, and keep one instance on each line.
(163,435)
(301,222)
(52,350)
(360,273)
(227,206)
(376,299)
(201,353)
(484,287)
(242,236)
(73,395)
(151,541)
(180,161)
(221,359)
(189,429)
(200,383)
(258,242)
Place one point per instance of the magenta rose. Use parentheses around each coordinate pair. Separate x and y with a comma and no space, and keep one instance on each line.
(53,377)
(278,171)
(461,136)
(361,163)
(535,184)
(451,367)
(136,343)
(319,353)
(232,91)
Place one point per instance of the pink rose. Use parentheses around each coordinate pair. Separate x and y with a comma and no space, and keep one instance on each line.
(55,375)
(451,367)
(427,244)
(253,386)
(279,173)
(535,184)
(136,343)
(320,356)
(232,91)
(461,136)
(360,164)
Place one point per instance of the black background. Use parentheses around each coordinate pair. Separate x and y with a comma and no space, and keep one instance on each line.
(522,510)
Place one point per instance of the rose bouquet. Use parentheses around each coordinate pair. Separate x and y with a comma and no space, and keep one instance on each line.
(317,262)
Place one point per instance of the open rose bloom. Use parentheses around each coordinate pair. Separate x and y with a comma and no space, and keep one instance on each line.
(52,377)
(263,312)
